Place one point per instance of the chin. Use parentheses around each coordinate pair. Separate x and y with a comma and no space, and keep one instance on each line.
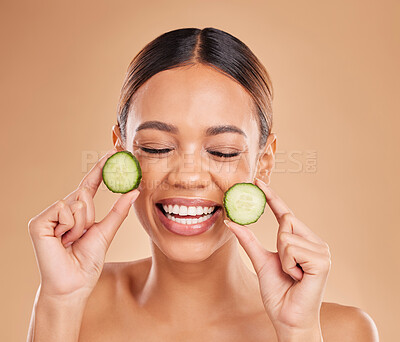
(190,251)
(185,255)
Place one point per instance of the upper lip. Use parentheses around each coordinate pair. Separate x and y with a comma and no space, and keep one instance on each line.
(189,201)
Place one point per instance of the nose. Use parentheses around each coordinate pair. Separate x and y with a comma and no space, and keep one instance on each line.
(190,172)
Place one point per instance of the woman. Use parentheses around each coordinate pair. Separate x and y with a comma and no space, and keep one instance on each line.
(195,109)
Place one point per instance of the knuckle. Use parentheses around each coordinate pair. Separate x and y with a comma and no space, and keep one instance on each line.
(115,209)
(80,205)
(284,237)
(61,204)
(85,187)
(325,249)
(286,217)
(326,263)
(31,221)
(31,224)
(83,190)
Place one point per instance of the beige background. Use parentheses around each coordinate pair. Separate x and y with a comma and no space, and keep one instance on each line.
(335,70)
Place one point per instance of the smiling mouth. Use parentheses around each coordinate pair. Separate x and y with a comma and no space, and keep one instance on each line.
(187,215)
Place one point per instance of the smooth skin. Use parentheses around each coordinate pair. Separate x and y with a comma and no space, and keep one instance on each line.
(192,288)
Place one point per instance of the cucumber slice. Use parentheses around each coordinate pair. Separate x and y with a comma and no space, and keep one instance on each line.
(244,203)
(122,172)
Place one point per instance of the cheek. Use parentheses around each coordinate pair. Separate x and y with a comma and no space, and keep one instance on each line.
(228,173)
(143,212)
(153,164)
(153,172)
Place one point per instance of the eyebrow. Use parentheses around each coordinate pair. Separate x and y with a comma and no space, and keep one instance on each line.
(214,130)
(161,126)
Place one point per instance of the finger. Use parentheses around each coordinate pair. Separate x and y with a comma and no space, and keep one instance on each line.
(78,210)
(58,214)
(291,224)
(109,225)
(62,227)
(285,239)
(83,194)
(256,252)
(94,177)
(313,264)
(278,207)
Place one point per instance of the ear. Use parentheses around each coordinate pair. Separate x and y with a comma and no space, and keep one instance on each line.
(116,137)
(266,159)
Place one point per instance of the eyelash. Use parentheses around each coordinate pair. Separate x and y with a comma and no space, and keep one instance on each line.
(166,150)
(155,151)
(223,155)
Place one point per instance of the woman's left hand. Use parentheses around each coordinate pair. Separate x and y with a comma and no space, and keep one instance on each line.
(292,295)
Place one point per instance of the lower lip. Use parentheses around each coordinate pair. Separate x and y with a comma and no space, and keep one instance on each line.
(188,229)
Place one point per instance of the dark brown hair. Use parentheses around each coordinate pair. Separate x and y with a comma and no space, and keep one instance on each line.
(208,46)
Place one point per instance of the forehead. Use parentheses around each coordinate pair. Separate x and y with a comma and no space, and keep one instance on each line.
(198,96)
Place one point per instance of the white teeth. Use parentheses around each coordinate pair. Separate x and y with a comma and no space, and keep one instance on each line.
(171,217)
(188,221)
(191,211)
(184,210)
(208,210)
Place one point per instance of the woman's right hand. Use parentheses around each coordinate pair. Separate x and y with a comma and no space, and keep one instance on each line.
(70,246)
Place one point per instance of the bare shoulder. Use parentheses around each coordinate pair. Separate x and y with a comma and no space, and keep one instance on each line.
(117,280)
(346,324)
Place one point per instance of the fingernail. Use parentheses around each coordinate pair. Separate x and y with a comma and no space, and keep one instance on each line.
(227,223)
(262,182)
(68,244)
(84,231)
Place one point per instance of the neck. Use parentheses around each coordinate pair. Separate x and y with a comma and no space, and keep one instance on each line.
(222,282)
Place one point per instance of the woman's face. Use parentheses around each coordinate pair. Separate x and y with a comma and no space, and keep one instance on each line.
(204,127)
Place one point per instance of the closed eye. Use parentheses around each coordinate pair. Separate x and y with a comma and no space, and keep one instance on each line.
(156,151)
(223,155)
(166,150)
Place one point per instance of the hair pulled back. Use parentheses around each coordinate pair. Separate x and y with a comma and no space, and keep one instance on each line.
(208,46)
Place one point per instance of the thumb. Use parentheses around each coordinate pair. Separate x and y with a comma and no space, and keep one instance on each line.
(117,214)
